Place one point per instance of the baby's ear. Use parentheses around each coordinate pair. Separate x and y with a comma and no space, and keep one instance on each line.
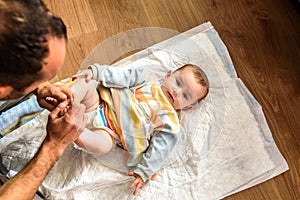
(168,74)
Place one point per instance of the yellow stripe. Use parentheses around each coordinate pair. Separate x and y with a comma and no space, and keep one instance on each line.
(137,130)
(18,123)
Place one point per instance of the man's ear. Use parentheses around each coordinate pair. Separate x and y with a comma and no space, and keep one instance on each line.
(5,90)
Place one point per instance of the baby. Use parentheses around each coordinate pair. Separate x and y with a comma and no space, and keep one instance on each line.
(139,116)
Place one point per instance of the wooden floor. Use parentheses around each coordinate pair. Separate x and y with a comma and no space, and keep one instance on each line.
(262,36)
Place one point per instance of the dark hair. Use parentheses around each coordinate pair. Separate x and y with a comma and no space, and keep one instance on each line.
(200,76)
(23,43)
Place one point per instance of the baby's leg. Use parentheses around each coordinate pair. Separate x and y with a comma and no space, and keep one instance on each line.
(86,93)
(95,141)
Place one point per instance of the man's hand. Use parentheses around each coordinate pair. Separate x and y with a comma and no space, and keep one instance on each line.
(137,183)
(65,123)
(58,92)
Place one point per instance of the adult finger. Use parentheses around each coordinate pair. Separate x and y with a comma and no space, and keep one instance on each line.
(56,111)
(81,123)
(62,93)
(77,113)
(67,92)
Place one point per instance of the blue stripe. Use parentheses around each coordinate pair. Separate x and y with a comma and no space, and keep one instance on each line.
(102,117)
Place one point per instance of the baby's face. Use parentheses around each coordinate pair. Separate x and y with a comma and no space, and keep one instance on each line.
(182,89)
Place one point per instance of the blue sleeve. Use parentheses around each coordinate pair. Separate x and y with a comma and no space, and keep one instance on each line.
(161,144)
(118,77)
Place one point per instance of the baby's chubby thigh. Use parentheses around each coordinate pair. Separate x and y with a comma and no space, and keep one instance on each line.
(86,93)
(96,141)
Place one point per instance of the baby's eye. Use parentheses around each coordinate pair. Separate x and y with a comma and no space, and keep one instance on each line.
(177,82)
(185,96)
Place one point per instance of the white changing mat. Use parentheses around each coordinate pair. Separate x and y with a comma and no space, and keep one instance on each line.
(226,146)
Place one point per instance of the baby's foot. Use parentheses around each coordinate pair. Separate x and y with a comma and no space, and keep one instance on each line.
(55,102)
(52,100)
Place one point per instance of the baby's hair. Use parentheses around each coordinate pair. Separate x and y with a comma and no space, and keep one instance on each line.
(200,77)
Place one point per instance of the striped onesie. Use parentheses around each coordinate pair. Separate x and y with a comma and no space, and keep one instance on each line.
(140,114)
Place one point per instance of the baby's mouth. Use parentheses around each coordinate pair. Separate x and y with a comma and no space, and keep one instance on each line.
(170,96)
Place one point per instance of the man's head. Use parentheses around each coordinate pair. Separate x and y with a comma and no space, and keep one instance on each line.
(185,86)
(32,46)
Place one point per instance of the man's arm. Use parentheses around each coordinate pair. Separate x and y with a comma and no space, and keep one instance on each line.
(26,182)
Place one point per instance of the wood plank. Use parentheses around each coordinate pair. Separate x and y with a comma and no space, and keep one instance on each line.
(77,15)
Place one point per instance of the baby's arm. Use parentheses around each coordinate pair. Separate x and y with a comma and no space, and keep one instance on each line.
(153,159)
(118,77)
(161,144)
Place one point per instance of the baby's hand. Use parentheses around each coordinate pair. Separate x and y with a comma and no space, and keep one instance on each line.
(87,74)
(137,183)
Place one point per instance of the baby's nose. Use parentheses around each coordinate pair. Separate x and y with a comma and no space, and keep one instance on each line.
(174,93)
